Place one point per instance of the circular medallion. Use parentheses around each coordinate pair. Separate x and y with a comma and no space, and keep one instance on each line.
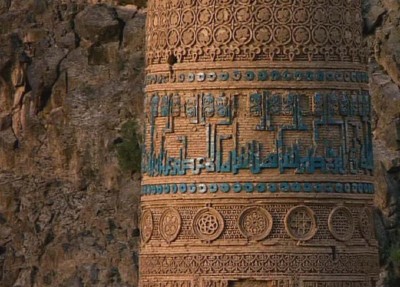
(255,223)
(300,223)
(205,15)
(156,20)
(335,16)
(347,17)
(335,35)
(204,36)
(243,14)
(188,17)
(242,35)
(222,34)
(173,38)
(208,224)
(263,34)
(301,15)
(170,224)
(174,18)
(319,15)
(223,15)
(263,15)
(146,225)
(153,39)
(301,35)
(283,15)
(366,223)
(282,34)
(341,223)
(162,39)
(164,19)
(348,36)
(357,36)
(188,37)
(320,35)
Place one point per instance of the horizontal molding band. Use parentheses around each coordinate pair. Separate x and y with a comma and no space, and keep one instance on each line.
(258,75)
(260,187)
(262,64)
(270,250)
(277,264)
(254,86)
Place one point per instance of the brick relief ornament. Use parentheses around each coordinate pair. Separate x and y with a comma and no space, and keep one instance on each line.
(257,264)
(240,30)
(170,224)
(300,223)
(367,224)
(208,224)
(147,225)
(341,223)
(255,223)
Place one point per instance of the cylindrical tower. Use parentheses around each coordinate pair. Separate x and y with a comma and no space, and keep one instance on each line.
(257,165)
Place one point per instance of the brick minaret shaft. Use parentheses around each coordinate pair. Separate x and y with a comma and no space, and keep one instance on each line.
(257,164)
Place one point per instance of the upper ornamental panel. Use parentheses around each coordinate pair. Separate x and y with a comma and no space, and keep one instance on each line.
(227,30)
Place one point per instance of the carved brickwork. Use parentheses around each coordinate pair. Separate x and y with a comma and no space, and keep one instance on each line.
(255,223)
(300,223)
(228,30)
(170,224)
(366,224)
(341,223)
(258,264)
(272,222)
(257,159)
(208,224)
(147,225)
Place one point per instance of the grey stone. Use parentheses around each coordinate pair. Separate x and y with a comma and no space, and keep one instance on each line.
(5,121)
(98,24)
(126,12)
(8,141)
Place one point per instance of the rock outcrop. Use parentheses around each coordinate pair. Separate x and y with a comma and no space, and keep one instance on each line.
(382,29)
(71,77)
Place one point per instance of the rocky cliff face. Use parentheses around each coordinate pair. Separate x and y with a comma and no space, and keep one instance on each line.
(382,31)
(71,80)
(71,76)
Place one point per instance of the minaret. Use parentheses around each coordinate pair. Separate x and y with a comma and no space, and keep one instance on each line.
(257,164)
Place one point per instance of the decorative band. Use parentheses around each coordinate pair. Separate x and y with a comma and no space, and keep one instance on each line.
(259,187)
(259,76)
(276,264)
